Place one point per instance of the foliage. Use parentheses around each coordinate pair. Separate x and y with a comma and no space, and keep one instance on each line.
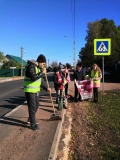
(8,64)
(101,29)
(2,57)
(54,64)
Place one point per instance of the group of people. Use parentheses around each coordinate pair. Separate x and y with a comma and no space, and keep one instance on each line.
(33,81)
(91,73)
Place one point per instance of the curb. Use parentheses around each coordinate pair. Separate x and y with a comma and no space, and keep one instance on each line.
(54,148)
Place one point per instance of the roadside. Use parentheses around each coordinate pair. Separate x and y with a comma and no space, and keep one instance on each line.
(6,79)
(18,141)
(21,143)
(76,138)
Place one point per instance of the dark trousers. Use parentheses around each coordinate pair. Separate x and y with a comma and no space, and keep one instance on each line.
(66,89)
(95,93)
(33,104)
(77,94)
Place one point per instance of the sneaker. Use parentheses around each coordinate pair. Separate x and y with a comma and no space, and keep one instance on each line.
(28,122)
(34,127)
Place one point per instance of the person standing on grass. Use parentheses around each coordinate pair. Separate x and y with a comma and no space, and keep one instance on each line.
(33,80)
(78,76)
(96,76)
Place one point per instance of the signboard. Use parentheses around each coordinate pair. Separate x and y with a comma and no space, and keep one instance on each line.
(85,88)
(102,47)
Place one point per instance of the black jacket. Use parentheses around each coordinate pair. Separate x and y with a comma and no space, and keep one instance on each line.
(31,73)
(78,75)
(55,80)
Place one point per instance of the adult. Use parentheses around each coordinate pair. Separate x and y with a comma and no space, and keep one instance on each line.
(32,82)
(96,75)
(78,76)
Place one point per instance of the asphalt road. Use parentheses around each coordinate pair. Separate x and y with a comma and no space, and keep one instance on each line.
(12,95)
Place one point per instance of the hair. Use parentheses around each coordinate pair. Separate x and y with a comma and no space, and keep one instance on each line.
(79,64)
(98,68)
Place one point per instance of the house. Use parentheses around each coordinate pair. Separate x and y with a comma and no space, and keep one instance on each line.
(16,59)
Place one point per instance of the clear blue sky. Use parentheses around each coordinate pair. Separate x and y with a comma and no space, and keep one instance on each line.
(39,26)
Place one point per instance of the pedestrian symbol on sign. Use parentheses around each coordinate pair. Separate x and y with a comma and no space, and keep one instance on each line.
(102,47)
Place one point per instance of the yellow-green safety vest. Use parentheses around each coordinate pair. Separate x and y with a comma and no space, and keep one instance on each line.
(95,75)
(30,86)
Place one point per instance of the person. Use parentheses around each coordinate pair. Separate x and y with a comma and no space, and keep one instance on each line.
(58,79)
(87,73)
(33,80)
(96,76)
(78,76)
(67,76)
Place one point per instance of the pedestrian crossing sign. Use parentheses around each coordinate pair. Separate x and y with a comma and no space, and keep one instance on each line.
(102,47)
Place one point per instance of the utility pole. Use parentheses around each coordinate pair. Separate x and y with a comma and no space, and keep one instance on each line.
(21,61)
(74,59)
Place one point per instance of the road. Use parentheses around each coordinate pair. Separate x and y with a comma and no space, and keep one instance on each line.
(12,95)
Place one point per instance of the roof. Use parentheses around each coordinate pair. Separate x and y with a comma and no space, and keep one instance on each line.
(16,59)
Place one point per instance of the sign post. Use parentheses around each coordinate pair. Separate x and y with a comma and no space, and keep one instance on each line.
(13,70)
(102,47)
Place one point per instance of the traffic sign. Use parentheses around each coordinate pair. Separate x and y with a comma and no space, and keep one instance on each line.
(102,47)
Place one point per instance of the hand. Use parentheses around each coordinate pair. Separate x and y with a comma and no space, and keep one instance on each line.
(49,89)
(44,70)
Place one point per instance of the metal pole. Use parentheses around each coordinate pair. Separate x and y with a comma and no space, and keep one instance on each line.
(21,61)
(74,59)
(103,73)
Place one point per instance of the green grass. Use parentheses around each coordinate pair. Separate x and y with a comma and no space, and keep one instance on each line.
(104,118)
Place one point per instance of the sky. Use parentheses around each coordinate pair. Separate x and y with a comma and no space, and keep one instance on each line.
(47,26)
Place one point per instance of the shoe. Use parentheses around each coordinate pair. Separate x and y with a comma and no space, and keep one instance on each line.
(34,127)
(96,101)
(28,122)
(76,100)
(64,106)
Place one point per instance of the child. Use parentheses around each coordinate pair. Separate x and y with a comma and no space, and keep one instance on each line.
(87,73)
(58,79)
(67,76)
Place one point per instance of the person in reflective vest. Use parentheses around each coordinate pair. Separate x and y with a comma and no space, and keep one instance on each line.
(33,80)
(96,75)
(58,79)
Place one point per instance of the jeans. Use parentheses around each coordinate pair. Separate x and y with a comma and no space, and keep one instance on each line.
(33,104)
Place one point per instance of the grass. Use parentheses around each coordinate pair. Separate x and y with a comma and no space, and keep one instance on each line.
(104,122)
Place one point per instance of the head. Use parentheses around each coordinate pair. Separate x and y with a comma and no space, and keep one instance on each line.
(79,66)
(56,70)
(68,66)
(62,67)
(41,61)
(96,67)
(88,69)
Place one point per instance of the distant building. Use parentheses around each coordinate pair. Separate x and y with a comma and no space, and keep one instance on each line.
(16,59)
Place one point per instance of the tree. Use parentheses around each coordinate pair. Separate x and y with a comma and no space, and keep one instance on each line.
(101,29)
(54,64)
(2,57)
(8,64)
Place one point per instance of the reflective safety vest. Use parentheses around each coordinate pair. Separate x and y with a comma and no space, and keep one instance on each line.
(96,83)
(30,86)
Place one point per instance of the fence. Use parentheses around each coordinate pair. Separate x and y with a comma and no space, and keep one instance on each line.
(10,72)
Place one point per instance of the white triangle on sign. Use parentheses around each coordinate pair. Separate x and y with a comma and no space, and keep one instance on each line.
(102,47)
